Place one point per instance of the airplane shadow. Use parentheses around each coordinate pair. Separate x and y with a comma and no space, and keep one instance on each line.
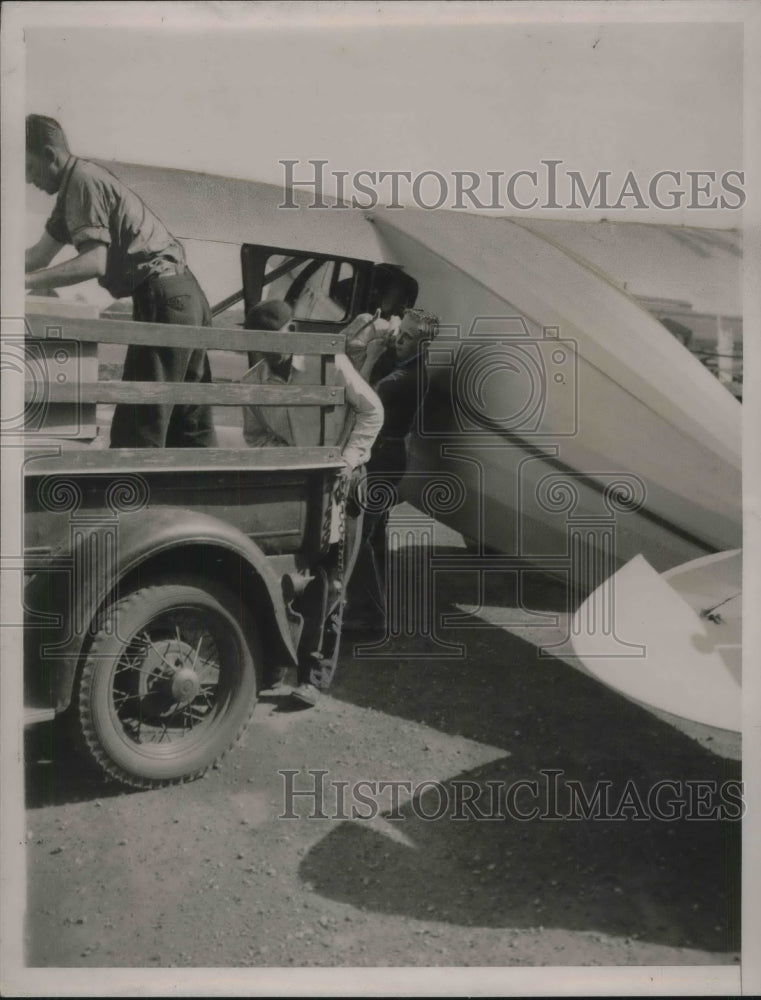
(670,881)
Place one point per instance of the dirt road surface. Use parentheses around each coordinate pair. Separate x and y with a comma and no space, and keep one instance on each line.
(210,874)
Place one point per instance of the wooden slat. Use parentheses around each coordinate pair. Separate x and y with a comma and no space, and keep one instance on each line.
(212,394)
(329,418)
(146,460)
(127,331)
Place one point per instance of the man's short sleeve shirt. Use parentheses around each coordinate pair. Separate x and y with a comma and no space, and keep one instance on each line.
(93,205)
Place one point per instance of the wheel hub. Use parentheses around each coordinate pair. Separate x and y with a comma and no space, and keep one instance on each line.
(185,685)
(167,662)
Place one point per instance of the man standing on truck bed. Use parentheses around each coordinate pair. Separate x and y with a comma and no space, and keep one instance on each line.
(130,252)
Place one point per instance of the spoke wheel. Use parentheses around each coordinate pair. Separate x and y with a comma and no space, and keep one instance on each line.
(168,685)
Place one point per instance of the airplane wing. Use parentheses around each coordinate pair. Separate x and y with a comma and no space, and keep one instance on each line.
(670,641)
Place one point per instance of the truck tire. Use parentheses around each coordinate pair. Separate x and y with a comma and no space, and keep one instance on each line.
(169,683)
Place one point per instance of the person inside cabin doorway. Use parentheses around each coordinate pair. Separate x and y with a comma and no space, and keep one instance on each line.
(401,392)
(130,252)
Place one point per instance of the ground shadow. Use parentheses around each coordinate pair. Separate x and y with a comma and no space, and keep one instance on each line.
(57,771)
(670,881)
(56,774)
(675,884)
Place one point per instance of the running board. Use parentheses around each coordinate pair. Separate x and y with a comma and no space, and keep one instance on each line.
(33,715)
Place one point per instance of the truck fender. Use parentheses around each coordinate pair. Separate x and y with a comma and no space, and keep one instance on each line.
(103,555)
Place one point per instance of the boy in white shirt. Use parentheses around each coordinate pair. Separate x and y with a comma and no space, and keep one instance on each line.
(272,426)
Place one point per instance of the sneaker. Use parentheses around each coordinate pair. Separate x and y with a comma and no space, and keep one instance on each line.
(306,693)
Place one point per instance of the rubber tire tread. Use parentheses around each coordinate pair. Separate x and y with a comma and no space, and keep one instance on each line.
(88,737)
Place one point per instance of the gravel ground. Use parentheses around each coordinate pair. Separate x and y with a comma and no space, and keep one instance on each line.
(210,874)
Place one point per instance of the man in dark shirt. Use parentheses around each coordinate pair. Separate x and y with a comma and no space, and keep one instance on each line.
(401,392)
(128,249)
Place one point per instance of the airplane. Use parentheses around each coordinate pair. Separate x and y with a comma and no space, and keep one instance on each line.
(584,390)
(686,657)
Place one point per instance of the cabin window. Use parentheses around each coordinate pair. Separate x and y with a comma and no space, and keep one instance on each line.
(324,291)
(319,288)
(315,289)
